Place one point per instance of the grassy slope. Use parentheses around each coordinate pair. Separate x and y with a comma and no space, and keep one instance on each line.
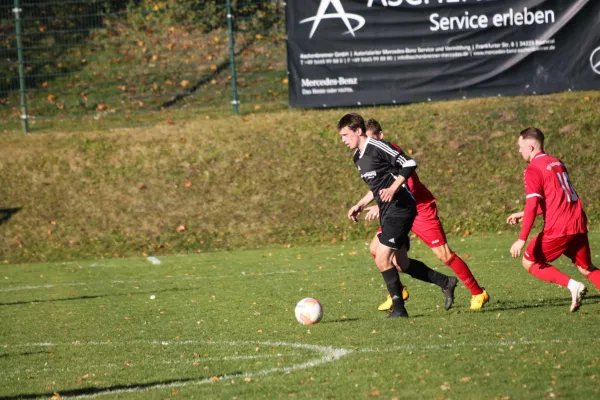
(274,178)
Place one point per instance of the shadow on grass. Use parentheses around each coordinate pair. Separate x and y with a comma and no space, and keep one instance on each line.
(509,305)
(96,391)
(335,321)
(220,68)
(15,303)
(87,297)
(7,213)
(27,353)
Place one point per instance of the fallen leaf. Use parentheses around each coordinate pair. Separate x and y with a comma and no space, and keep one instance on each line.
(180,228)
(188,184)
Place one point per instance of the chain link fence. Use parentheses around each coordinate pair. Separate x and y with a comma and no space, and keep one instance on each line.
(122,63)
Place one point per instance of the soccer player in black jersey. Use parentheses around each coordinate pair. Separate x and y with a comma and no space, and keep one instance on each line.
(385,170)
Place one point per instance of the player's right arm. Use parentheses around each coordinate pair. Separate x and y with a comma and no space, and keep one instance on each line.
(356,209)
(534,190)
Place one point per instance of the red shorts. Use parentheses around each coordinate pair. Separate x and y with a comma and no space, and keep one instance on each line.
(427,225)
(577,247)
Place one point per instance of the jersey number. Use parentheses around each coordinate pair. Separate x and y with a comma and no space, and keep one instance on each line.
(565,184)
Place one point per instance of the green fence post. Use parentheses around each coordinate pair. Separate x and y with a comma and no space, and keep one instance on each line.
(234,100)
(17,10)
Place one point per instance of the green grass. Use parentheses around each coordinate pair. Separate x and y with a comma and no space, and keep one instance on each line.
(83,328)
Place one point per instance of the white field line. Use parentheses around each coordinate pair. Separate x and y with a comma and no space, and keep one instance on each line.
(146,362)
(326,354)
(47,286)
(141,281)
(503,343)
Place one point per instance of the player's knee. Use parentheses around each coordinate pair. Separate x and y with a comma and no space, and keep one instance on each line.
(443,253)
(587,270)
(526,264)
(373,249)
(383,264)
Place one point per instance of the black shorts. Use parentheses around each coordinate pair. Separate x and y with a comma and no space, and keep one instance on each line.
(394,232)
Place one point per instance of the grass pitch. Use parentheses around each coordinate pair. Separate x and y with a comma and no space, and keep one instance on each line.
(221,325)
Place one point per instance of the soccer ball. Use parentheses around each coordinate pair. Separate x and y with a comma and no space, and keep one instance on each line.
(309,311)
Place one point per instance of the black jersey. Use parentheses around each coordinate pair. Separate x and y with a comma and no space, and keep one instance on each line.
(379,165)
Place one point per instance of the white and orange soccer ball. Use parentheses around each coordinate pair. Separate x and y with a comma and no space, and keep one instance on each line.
(309,311)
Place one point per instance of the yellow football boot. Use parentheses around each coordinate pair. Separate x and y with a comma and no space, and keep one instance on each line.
(479,300)
(387,304)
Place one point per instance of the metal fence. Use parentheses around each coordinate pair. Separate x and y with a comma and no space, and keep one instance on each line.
(117,62)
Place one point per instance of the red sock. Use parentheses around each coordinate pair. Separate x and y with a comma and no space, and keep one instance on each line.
(594,277)
(463,272)
(549,273)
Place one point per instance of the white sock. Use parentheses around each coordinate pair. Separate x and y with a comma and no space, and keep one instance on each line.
(573,284)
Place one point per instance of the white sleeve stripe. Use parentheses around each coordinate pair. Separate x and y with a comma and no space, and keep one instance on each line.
(534,195)
(410,163)
(384,147)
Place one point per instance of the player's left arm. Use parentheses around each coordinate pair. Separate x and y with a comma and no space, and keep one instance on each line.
(407,167)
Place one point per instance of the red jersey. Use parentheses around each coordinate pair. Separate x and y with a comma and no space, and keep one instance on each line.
(419,191)
(549,192)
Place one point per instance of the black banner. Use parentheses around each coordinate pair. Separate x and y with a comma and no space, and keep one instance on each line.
(365,52)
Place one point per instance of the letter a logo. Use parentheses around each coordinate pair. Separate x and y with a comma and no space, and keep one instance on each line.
(341,14)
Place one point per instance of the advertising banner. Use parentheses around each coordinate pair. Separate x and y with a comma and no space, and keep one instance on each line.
(367,52)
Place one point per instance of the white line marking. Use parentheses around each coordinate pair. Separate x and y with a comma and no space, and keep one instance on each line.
(154,260)
(327,354)
(47,286)
(147,362)
(140,281)
(505,343)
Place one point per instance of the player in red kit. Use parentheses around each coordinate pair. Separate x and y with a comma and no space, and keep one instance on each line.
(549,192)
(428,227)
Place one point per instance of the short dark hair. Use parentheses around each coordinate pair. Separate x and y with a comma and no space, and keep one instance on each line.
(352,121)
(533,133)
(373,126)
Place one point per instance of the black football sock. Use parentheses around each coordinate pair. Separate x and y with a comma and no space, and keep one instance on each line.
(394,286)
(422,272)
